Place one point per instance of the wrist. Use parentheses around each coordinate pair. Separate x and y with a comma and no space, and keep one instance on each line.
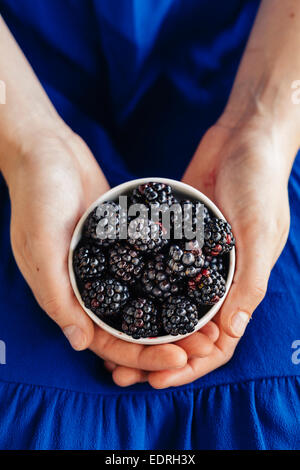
(262,95)
(276,119)
(21,147)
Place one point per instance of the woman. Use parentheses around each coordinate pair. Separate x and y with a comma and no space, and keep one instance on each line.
(140,83)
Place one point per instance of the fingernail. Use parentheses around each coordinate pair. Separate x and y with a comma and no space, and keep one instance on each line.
(76,337)
(239,322)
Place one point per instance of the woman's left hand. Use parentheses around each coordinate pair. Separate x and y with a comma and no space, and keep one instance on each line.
(244,170)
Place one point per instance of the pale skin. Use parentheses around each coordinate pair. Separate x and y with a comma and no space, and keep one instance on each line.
(242,163)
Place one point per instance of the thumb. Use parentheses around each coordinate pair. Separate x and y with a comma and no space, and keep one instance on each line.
(249,285)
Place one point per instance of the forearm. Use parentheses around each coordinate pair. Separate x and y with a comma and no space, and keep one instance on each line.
(271,63)
(27,112)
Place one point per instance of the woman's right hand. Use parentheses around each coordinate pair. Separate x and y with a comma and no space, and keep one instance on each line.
(51,184)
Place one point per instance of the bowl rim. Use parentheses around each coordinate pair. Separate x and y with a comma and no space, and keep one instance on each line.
(112,194)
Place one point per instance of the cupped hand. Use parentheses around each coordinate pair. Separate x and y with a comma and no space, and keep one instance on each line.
(51,184)
(244,170)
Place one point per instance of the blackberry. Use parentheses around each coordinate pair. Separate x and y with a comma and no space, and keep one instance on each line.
(105,297)
(158,281)
(89,262)
(109,227)
(152,194)
(140,319)
(218,237)
(216,263)
(189,216)
(183,262)
(179,316)
(207,288)
(146,236)
(125,263)
(206,215)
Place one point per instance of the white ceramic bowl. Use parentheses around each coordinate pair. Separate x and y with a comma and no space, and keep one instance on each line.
(187,192)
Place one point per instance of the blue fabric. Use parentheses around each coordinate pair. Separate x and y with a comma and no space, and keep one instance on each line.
(141,81)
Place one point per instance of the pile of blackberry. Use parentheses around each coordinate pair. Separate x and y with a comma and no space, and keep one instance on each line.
(150,283)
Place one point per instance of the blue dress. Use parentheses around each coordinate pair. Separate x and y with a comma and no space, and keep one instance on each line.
(141,81)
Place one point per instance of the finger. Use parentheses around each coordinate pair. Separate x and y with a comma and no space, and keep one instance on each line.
(195,368)
(211,330)
(110,366)
(249,285)
(196,345)
(137,356)
(126,376)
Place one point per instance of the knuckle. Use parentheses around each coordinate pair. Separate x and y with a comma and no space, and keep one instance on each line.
(204,348)
(259,289)
(52,307)
(286,228)
(20,245)
(30,245)
(211,132)
(25,252)
(227,356)
(77,139)
(277,225)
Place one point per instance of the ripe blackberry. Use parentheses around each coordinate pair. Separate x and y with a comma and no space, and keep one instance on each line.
(152,194)
(189,217)
(183,262)
(218,237)
(206,215)
(207,288)
(146,236)
(140,319)
(158,281)
(179,316)
(110,223)
(216,263)
(125,263)
(105,297)
(89,262)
